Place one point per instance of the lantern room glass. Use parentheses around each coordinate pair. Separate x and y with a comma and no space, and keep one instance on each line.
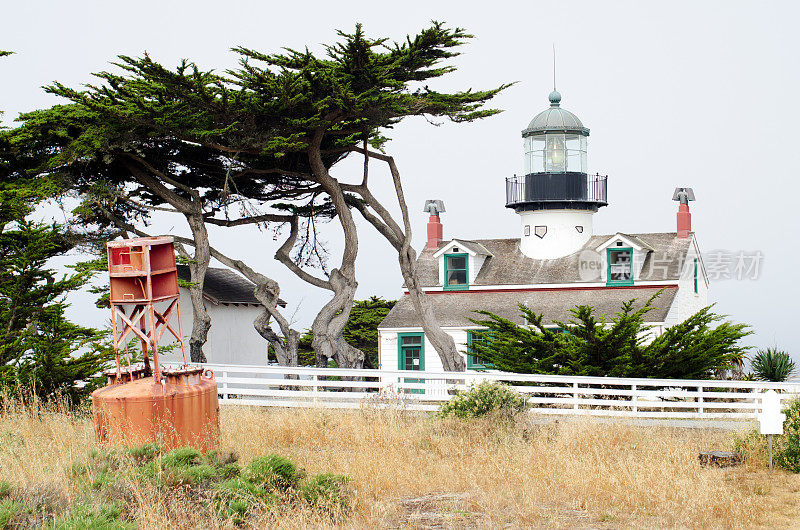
(555,153)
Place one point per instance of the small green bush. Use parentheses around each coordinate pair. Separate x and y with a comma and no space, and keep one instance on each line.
(786,452)
(772,364)
(325,489)
(273,471)
(5,489)
(83,517)
(488,397)
(145,452)
(235,497)
(8,509)
(752,445)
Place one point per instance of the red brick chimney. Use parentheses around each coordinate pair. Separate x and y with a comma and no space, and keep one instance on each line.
(683,196)
(684,221)
(435,229)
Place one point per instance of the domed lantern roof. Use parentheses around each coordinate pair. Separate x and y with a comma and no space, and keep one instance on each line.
(555,119)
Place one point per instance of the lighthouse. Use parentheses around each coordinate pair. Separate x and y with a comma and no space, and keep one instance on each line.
(556,198)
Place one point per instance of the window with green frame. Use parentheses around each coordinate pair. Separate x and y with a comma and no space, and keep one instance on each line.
(695,277)
(456,272)
(473,361)
(411,356)
(620,266)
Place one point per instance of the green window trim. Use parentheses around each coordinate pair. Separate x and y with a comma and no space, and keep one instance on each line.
(473,362)
(696,291)
(447,270)
(401,358)
(609,281)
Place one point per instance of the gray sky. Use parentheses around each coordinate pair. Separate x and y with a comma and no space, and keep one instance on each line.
(700,94)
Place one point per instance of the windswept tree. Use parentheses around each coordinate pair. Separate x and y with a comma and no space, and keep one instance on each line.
(343,103)
(41,352)
(225,149)
(109,150)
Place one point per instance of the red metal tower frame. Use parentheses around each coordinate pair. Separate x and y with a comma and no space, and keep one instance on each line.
(142,272)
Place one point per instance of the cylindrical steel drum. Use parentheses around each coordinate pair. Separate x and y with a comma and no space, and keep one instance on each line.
(182,410)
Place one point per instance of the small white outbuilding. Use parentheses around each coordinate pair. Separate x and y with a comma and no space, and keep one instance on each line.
(230,303)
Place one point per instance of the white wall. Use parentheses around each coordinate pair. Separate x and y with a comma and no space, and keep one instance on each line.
(232,338)
(687,302)
(387,348)
(561,239)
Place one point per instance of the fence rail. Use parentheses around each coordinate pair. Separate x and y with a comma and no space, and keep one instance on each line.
(278,386)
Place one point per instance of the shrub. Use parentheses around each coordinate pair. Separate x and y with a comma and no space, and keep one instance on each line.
(752,446)
(325,489)
(787,449)
(83,517)
(273,471)
(145,452)
(772,364)
(488,397)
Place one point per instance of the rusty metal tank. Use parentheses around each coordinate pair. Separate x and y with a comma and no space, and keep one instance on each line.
(181,410)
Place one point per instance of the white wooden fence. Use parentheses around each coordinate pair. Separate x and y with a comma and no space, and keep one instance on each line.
(278,386)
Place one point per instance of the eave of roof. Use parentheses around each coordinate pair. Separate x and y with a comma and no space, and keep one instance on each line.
(509,266)
(455,309)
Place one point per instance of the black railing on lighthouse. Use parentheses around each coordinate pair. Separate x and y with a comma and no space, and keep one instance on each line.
(556,187)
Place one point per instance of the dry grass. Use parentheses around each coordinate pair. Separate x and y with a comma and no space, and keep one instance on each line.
(415,470)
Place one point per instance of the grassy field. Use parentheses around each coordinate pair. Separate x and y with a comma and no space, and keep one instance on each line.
(415,470)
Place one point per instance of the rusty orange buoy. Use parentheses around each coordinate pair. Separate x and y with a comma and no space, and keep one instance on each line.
(173,407)
(180,411)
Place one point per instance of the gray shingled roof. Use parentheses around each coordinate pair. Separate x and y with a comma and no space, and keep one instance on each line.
(474,246)
(225,286)
(509,266)
(456,308)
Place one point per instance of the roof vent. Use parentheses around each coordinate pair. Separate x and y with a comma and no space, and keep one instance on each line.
(434,206)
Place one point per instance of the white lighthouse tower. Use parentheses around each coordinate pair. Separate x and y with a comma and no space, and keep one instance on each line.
(556,198)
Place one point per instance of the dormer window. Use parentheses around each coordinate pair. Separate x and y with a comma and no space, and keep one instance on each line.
(620,266)
(456,273)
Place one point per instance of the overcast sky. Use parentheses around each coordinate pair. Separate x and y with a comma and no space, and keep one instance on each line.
(699,94)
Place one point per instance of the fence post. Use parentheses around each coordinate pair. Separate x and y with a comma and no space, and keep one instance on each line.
(225,385)
(315,388)
(575,395)
(700,400)
(634,399)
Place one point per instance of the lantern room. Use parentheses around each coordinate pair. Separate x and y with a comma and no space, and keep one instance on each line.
(556,167)
(555,141)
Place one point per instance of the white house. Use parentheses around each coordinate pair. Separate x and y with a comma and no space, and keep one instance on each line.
(556,263)
(232,307)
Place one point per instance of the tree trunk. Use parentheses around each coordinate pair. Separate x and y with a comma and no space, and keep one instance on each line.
(443,343)
(285,347)
(197,271)
(267,292)
(328,326)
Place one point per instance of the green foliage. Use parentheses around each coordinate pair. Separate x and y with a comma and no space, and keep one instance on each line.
(361,331)
(325,489)
(39,349)
(86,517)
(787,449)
(752,445)
(487,398)
(592,346)
(772,364)
(273,471)
(5,489)
(185,466)
(8,509)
